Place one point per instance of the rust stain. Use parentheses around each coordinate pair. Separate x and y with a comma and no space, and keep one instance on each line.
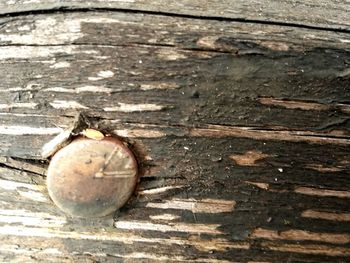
(249,158)
(297,235)
(326,215)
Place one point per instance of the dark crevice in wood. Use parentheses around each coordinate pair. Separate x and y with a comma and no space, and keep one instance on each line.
(9,165)
(170,14)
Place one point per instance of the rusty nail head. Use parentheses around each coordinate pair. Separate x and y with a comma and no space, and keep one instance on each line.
(92,178)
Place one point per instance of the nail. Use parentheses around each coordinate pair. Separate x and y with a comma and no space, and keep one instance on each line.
(92,178)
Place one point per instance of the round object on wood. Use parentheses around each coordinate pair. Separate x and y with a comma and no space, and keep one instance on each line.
(92,178)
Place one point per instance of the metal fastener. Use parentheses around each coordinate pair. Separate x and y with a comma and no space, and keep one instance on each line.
(92,178)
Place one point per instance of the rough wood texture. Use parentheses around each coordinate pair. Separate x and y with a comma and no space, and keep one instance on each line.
(241,129)
(331,14)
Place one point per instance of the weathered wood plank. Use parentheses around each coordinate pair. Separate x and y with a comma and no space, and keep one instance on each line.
(321,14)
(241,130)
(224,227)
(174,72)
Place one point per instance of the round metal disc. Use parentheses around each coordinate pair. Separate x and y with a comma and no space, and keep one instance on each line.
(92,178)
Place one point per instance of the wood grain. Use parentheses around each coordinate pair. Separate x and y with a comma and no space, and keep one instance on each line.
(161,74)
(239,121)
(321,14)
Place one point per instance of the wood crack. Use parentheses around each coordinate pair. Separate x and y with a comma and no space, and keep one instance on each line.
(63,9)
(27,165)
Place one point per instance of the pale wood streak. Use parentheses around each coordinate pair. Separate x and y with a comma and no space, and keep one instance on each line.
(322,192)
(173,227)
(326,215)
(303,105)
(298,235)
(280,135)
(249,158)
(122,237)
(307,249)
(211,206)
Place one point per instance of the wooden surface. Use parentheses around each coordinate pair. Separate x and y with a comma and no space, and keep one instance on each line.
(321,14)
(241,128)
